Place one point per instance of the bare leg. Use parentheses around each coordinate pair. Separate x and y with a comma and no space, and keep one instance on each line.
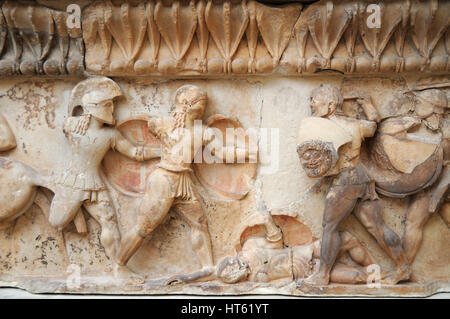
(340,202)
(445,214)
(104,214)
(345,274)
(355,249)
(64,207)
(129,245)
(154,207)
(44,204)
(193,214)
(203,275)
(369,214)
(416,218)
(419,213)
(440,189)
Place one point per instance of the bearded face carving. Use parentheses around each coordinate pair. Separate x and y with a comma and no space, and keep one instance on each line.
(317,157)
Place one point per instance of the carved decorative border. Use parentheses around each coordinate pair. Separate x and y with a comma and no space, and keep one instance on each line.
(35,40)
(225,37)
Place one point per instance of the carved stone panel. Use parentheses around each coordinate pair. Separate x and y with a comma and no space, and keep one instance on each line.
(225,147)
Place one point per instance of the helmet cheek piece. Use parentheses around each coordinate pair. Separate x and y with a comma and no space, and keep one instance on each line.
(101,113)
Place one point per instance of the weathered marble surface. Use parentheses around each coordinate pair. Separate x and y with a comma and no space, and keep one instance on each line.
(167,38)
(36,256)
(258,64)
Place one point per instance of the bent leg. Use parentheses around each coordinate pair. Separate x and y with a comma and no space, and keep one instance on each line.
(64,207)
(439,191)
(105,215)
(345,274)
(340,202)
(193,214)
(416,218)
(355,249)
(154,207)
(369,214)
(445,214)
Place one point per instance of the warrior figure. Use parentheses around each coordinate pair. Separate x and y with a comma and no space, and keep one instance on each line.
(330,145)
(171,185)
(409,156)
(91,135)
(264,257)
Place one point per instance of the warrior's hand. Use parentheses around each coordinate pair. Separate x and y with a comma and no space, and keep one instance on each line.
(151,152)
(365,101)
(145,153)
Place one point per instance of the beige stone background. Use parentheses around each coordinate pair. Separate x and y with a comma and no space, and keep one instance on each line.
(36,110)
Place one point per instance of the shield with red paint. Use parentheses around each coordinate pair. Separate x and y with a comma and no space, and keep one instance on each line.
(129,177)
(231,181)
(126,175)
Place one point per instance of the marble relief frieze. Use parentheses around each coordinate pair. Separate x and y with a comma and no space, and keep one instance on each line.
(225,147)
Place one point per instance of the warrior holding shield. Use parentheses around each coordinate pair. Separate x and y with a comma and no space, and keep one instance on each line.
(409,156)
(330,145)
(171,185)
(90,137)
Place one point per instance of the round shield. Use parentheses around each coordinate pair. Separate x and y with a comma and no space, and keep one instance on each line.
(231,181)
(126,175)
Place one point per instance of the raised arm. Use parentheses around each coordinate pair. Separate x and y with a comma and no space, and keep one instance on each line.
(139,153)
(366,104)
(398,125)
(368,128)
